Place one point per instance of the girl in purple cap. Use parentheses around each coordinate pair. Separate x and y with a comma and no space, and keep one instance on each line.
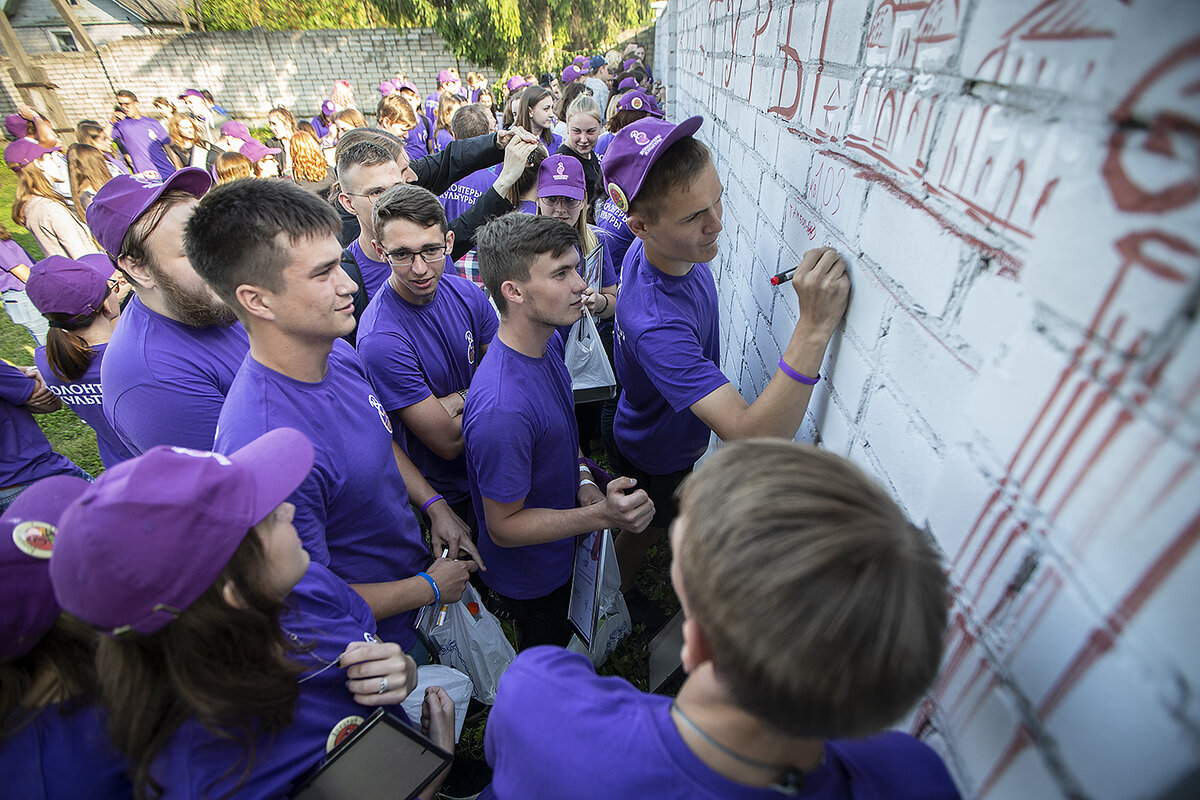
(447,105)
(41,209)
(229,663)
(52,738)
(82,302)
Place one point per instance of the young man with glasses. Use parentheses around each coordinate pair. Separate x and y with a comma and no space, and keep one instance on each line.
(422,337)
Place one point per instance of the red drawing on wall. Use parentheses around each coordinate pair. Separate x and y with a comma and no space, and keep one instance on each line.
(792,66)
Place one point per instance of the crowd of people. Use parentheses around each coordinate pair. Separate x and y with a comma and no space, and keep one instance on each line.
(326,374)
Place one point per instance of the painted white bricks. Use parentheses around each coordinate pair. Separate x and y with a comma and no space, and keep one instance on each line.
(1020,363)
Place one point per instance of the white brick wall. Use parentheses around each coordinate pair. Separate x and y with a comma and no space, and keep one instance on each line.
(1014,186)
(249,72)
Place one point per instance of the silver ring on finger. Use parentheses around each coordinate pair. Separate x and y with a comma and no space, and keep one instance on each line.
(383,685)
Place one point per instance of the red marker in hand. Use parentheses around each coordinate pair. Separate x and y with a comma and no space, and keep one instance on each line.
(783,276)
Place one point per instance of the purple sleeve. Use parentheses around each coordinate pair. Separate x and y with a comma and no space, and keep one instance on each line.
(672,357)
(15,386)
(608,273)
(501,450)
(394,371)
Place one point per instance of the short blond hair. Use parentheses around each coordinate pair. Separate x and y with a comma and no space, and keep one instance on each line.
(824,608)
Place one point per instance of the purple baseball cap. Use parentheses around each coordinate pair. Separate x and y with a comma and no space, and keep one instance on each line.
(571,73)
(328,108)
(580,61)
(152,533)
(27,533)
(626,84)
(237,130)
(515,82)
(61,285)
(123,199)
(446,76)
(638,100)
(22,153)
(17,126)
(100,263)
(561,176)
(256,151)
(192,93)
(634,149)
(412,87)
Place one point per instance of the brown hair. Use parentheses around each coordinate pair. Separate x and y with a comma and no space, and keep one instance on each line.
(678,166)
(447,105)
(394,109)
(284,114)
(65,655)
(824,608)
(308,162)
(408,202)
(469,121)
(351,115)
(177,138)
(528,178)
(569,95)
(225,666)
(531,96)
(229,166)
(68,353)
(31,183)
(625,116)
(509,116)
(133,243)
(509,244)
(87,169)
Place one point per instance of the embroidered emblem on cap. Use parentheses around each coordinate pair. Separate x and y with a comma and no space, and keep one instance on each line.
(618,197)
(35,538)
(636,104)
(639,137)
(341,732)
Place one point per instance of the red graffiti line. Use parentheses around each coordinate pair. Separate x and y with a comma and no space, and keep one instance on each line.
(1128,195)
(1102,639)
(759,30)
(789,53)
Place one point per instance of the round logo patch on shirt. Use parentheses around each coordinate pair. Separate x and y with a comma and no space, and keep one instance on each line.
(35,538)
(342,731)
(387,423)
(618,197)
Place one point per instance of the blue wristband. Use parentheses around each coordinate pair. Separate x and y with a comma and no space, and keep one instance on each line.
(437,595)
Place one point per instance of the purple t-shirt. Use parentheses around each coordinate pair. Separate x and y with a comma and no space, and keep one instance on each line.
(431,105)
(325,613)
(12,255)
(554,714)
(164,382)
(416,144)
(144,139)
(352,510)
(320,127)
(522,442)
(610,226)
(442,140)
(459,198)
(415,352)
(667,356)
(25,452)
(64,755)
(86,399)
(374,273)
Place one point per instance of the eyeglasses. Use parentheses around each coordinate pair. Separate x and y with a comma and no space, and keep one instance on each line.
(373,195)
(113,285)
(404,258)
(569,203)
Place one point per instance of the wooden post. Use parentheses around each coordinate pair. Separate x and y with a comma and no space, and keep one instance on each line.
(199,16)
(187,25)
(33,84)
(81,36)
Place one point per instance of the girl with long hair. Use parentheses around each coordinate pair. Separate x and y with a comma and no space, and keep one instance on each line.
(52,738)
(87,170)
(230,166)
(283,126)
(81,299)
(99,136)
(535,113)
(231,661)
(442,135)
(39,208)
(308,164)
(187,147)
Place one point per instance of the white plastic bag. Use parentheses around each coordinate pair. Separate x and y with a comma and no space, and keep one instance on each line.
(470,639)
(456,684)
(592,376)
(615,623)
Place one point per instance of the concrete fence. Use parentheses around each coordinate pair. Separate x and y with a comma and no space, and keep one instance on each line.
(1016,188)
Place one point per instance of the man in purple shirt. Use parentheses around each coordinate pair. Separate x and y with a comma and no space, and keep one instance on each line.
(814,618)
(171,360)
(448,83)
(532,493)
(143,139)
(422,337)
(270,249)
(667,353)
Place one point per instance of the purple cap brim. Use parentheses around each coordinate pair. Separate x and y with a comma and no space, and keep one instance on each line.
(280,461)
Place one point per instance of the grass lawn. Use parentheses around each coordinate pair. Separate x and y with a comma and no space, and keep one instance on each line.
(69,434)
